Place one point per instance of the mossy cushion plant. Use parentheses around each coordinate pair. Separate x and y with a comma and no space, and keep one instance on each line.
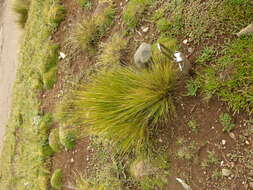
(123,103)
(56,179)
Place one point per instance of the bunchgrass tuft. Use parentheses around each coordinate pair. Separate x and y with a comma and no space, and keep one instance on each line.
(123,103)
(111,51)
(87,32)
(21,7)
(67,138)
(56,179)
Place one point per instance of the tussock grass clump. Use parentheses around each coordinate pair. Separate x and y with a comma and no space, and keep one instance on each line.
(111,51)
(133,11)
(123,103)
(21,7)
(87,32)
(56,179)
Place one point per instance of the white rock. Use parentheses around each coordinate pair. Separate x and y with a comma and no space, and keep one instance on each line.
(62,55)
(223,142)
(145,29)
(247,142)
(72,160)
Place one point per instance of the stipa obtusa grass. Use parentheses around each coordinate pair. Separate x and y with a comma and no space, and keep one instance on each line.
(123,103)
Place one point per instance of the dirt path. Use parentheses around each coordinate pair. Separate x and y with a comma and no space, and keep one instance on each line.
(9,35)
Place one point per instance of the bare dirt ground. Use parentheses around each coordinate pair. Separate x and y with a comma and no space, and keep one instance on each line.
(9,35)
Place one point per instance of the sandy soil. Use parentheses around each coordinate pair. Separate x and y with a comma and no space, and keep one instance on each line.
(9,35)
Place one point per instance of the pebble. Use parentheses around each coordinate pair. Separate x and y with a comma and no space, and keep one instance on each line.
(232,135)
(223,142)
(226,172)
(247,142)
(145,29)
(72,160)
(185,41)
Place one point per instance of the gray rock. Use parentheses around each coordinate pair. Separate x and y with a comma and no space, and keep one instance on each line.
(226,172)
(142,55)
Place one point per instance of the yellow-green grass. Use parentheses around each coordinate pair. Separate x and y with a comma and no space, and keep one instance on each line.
(133,11)
(111,50)
(112,108)
(86,33)
(25,151)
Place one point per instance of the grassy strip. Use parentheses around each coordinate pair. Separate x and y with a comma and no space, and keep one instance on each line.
(25,151)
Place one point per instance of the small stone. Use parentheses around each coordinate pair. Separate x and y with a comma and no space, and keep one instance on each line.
(190,50)
(87,159)
(160,140)
(223,142)
(145,29)
(72,160)
(222,163)
(232,135)
(62,55)
(247,142)
(226,172)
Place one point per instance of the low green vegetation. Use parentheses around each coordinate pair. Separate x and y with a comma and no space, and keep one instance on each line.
(112,50)
(86,33)
(231,77)
(133,11)
(187,151)
(21,7)
(192,124)
(67,138)
(163,24)
(226,121)
(116,112)
(56,179)
(206,55)
(192,87)
(211,160)
(85,3)
(26,149)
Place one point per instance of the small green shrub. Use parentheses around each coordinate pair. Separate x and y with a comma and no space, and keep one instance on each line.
(21,7)
(192,87)
(133,11)
(226,122)
(111,51)
(206,55)
(54,140)
(86,33)
(192,124)
(56,179)
(67,138)
(117,112)
(163,24)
